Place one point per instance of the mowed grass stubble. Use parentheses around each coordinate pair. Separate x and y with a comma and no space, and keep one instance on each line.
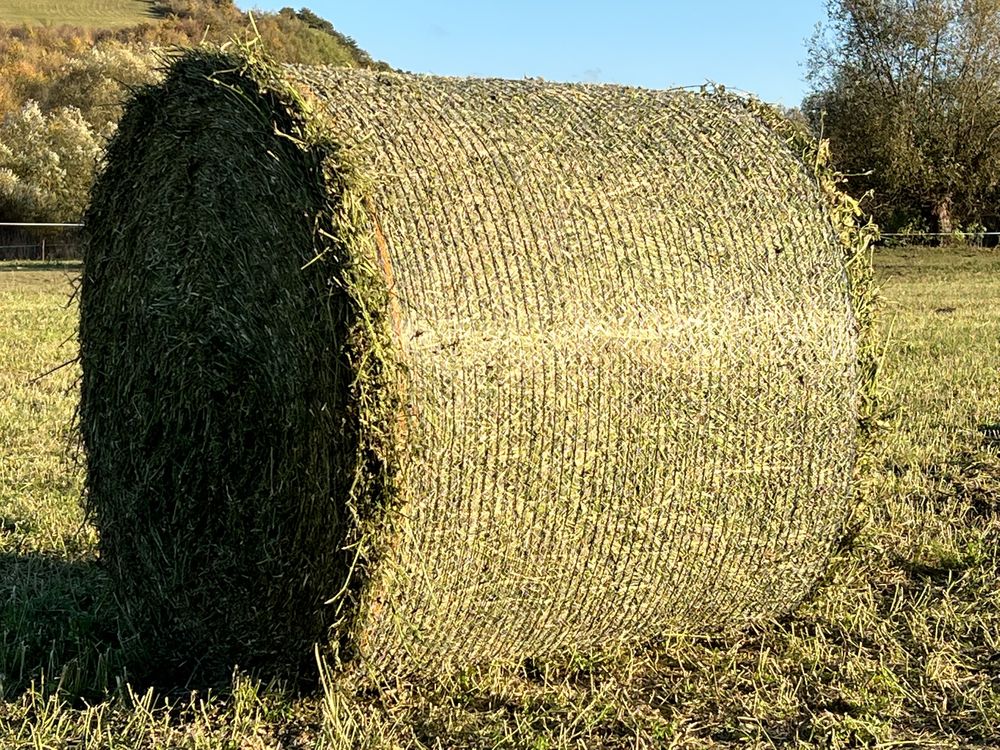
(896,648)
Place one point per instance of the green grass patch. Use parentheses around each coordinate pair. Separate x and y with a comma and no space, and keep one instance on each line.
(101,14)
(898,648)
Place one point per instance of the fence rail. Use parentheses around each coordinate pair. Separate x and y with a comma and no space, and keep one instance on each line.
(975,239)
(39,241)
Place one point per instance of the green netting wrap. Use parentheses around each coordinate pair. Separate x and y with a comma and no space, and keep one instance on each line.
(446,371)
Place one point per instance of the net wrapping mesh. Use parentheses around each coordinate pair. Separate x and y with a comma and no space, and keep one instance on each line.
(630,362)
(627,378)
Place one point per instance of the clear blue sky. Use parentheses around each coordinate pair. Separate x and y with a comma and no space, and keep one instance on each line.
(755,46)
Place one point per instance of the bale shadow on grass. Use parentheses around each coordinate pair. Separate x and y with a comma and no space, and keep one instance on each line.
(62,634)
(59,629)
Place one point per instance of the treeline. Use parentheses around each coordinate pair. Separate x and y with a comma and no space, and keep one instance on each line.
(62,88)
(908,94)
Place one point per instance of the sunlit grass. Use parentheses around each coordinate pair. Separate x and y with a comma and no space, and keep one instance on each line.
(104,14)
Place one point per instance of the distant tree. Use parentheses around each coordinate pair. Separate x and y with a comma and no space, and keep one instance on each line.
(314,21)
(47,164)
(287,38)
(193,8)
(98,82)
(795,116)
(908,92)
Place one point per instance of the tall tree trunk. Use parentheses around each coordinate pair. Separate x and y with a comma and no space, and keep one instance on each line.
(942,212)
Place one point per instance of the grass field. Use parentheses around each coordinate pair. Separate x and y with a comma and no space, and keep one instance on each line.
(103,14)
(899,648)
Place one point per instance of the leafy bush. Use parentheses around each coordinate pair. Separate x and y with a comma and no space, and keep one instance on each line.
(97,83)
(47,163)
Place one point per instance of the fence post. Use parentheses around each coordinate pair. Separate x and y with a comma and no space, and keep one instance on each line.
(19,242)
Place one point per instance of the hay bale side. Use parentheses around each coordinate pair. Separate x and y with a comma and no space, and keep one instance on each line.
(456,370)
(216,403)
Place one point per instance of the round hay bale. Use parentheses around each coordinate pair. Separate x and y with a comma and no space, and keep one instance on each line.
(455,370)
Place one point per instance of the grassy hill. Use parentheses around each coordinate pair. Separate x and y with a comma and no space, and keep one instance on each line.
(105,14)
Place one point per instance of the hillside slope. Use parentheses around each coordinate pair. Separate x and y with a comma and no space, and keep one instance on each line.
(66,67)
(102,14)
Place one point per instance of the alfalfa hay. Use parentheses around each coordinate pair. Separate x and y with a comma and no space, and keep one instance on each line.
(452,370)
